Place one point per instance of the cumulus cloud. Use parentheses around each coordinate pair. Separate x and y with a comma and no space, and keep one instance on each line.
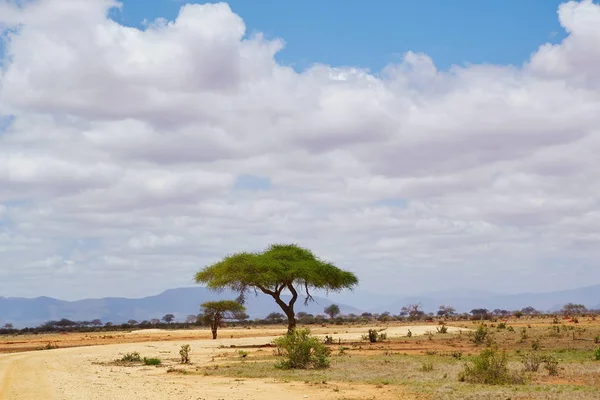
(122,151)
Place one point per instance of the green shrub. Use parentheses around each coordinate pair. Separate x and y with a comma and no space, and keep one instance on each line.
(551,365)
(302,351)
(480,334)
(442,329)
(184,352)
(490,368)
(131,357)
(243,354)
(152,361)
(597,354)
(49,346)
(597,339)
(532,361)
(501,325)
(374,336)
(524,335)
(426,367)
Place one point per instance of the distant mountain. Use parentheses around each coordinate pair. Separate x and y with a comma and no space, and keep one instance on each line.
(185,301)
(180,302)
(466,301)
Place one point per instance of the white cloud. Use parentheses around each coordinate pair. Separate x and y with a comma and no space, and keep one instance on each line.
(126,145)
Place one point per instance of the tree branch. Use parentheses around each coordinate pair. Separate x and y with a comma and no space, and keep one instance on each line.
(294,293)
(267,291)
(308,296)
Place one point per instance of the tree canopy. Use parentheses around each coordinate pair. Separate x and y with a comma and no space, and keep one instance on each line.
(333,310)
(216,311)
(281,268)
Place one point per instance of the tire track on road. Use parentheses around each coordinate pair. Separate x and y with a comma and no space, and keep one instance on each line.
(24,376)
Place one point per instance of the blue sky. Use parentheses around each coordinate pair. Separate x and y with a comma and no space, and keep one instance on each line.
(340,32)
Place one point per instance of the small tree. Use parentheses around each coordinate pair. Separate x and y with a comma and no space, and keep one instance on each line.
(217,311)
(8,326)
(279,269)
(242,316)
(191,319)
(573,309)
(275,317)
(155,321)
(529,311)
(168,318)
(446,311)
(132,322)
(480,313)
(96,322)
(332,310)
(413,311)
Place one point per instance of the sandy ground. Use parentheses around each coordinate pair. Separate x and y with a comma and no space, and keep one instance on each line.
(81,373)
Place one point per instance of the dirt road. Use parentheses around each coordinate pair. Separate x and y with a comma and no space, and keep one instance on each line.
(82,374)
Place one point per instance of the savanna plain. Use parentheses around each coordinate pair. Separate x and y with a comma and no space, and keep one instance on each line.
(516,358)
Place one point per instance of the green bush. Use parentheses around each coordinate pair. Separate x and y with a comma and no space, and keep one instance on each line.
(442,329)
(302,351)
(490,368)
(184,352)
(551,365)
(152,361)
(131,357)
(501,325)
(374,336)
(532,361)
(597,354)
(426,367)
(480,334)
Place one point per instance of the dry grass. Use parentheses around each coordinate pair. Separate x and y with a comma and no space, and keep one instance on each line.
(400,362)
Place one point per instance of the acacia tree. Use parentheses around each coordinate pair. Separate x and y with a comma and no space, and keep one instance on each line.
(333,310)
(280,269)
(573,309)
(216,311)
(168,318)
(446,311)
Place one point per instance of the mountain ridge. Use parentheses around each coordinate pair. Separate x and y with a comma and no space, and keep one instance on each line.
(184,301)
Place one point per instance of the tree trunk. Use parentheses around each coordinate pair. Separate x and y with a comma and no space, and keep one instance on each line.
(215,325)
(287,308)
(291,316)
